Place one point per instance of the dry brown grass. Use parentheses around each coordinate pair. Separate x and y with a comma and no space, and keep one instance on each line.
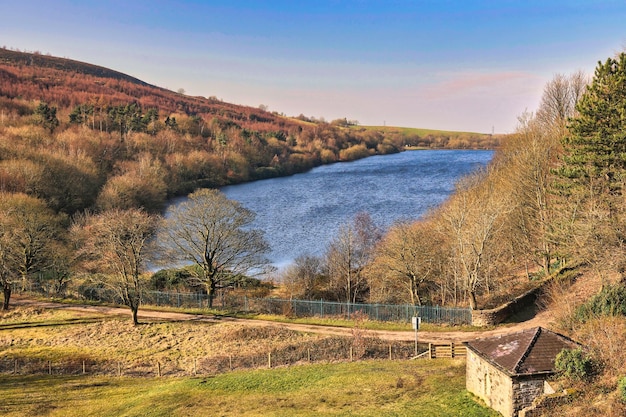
(604,337)
(114,345)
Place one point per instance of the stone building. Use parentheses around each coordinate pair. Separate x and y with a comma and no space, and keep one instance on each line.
(508,372)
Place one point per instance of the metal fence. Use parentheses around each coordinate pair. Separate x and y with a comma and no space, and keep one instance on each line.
(313,308)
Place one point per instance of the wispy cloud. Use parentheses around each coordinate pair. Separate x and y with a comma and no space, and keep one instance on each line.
(465,84)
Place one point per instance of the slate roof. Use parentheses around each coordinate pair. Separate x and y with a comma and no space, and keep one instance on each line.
(527,352)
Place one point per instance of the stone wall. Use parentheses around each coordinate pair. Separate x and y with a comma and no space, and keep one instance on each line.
(525,391)
(543,405)
(489,384)
(499,314)
(504,394)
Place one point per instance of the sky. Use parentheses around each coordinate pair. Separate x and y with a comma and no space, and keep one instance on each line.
(436,64)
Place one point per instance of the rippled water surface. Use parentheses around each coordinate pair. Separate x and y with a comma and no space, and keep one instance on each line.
(300,214)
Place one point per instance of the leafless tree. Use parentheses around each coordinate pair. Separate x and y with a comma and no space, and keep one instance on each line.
(114,244)
(348,254)
(28,232)
(558,102)
(304,278)
(408,258)
(213,232)
(471,221)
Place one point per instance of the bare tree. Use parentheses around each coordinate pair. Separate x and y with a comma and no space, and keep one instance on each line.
(531,157)
(28,232)
(408,258)
(471,221)
(304,278)
(115,243)
(558,102)
(348,254)
(213,232)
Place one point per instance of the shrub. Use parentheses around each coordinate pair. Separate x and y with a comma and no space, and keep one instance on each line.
(610,301)
(621,386)
(573,364)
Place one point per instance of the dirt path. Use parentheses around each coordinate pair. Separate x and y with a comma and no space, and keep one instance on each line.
(541,319)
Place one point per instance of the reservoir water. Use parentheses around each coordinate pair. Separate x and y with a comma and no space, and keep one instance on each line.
(301,214)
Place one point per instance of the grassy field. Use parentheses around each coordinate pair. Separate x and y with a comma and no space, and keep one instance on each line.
(369,388)
(407,131)
(332,386)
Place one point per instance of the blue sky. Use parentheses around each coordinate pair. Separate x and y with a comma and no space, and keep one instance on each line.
(453,65)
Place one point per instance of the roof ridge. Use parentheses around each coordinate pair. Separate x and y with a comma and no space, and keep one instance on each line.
(528,349)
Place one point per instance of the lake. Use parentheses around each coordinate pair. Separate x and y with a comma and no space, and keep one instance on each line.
(300,214)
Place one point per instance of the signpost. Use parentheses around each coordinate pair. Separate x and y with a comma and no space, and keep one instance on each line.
(416,325)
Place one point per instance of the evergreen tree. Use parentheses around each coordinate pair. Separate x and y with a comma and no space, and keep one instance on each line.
(46,116)
(596,145)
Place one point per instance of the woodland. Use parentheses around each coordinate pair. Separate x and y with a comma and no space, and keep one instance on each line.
(89,156)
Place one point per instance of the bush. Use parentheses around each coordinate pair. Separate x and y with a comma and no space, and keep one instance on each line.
(610,301)
(573,364)
(621,386)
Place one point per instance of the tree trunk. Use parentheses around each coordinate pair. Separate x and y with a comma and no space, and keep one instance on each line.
(135,310)
(210,290)
(7,296)
(472,300)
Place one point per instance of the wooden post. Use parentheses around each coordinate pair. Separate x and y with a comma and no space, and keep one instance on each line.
(452,350)
(84,369)
(195,366)
(230,362)
(308,354)
(15,370)
(119,369)
(269,359)
(49,367)
(351,353)
(430,350)
(390,352)
(158,368)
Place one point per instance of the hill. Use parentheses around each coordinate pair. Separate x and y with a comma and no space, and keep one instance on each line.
(68,83)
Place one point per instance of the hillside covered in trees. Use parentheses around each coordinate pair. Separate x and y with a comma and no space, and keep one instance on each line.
(113,135)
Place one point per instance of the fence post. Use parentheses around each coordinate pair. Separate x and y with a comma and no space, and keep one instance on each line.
(269,359)
(322,307)
(308,354)
(351,353)
(430,350)
(390,352)
(230,362)
(15,370)
(452,350)
(84,369)
(49,367)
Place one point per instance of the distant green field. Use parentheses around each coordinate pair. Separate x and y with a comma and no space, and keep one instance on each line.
(371,388)
(408,131)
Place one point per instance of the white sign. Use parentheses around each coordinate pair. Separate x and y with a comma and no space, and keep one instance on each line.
(417,321)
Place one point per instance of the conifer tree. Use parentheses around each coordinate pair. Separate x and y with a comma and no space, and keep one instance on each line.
(596,145)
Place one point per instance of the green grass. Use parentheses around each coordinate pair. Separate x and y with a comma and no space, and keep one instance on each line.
(373,388)
(410,131)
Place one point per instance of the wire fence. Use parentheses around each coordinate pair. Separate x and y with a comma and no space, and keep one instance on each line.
(326,350)
(314,308)
(227,300)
